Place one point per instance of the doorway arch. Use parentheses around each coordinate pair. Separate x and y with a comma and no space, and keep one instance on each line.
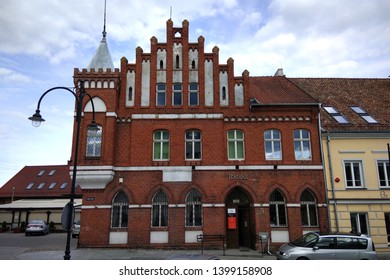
(240,227)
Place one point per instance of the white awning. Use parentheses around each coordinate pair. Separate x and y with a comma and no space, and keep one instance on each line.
(39,204)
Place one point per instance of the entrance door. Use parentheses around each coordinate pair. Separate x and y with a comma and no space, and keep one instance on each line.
(240,221)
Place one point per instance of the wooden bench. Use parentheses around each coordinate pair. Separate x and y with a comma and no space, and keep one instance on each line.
(211,238)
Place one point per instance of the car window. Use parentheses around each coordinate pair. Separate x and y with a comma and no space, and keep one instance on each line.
(326,243)
(307,240)
(351,243)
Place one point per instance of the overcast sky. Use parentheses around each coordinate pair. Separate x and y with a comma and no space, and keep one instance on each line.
(42,41)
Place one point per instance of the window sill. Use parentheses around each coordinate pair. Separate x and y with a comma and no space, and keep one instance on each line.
(92,158)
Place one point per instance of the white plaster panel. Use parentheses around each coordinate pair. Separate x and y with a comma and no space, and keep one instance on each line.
(279,236)
(98,104)
(223,82)
(190,236)
(159,237)
(118,238)
(209,83)
(239,95)
(130,79)
(145,92)
(183,174)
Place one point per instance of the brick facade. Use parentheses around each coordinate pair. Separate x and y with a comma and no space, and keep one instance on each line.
(129,116)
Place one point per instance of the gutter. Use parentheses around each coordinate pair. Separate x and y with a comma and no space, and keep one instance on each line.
(328,138)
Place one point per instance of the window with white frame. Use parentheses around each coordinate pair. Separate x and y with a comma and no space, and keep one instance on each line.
(160,210)
(308,209)
(193,145)
(359,223)
(94,141)
(177,95)
(193,209)
(384,173)
(273,144)
(193,99)
(277,209)
(353,173)
(302,146)
(119,211)
(161,145)
(161,94)
(235,145)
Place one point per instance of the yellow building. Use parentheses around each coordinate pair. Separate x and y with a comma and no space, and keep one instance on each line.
(355,122)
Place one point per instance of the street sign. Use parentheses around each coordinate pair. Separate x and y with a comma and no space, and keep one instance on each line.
(66,212)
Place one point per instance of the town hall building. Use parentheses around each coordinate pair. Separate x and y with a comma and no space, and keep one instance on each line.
(185,148)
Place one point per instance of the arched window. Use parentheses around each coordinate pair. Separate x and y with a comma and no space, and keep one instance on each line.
(119,211)
(302,144)
(277,209)
(308,209)
(223,93)
(177,62)
(193,64)
(161,65)
(160,210)
(273,144)
(193,209)
(94,141)
(193,145)
(130,93)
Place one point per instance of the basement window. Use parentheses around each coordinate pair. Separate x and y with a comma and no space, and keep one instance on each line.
(363,114)
(335,114)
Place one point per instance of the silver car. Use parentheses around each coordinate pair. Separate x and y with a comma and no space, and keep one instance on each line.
(315,246)
(37,227)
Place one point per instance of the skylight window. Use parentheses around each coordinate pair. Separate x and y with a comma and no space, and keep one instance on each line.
(41,173)
(335,114)
(41,185)
(63,186)
(52,172)
(29,186)
(52,185)
(363,114)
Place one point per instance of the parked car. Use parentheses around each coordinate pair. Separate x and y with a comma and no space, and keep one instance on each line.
(339,246)
(76,229)
(37,227)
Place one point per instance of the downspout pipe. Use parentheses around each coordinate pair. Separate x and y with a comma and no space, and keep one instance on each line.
(332,180)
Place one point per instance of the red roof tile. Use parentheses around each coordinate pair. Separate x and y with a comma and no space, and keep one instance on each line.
(277,90)
(371,95)
(39,181)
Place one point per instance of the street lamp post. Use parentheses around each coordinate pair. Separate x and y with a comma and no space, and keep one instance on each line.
(79,93)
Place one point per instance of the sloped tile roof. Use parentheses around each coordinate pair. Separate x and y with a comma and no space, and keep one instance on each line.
(277,90)
(39,182)
(371,95)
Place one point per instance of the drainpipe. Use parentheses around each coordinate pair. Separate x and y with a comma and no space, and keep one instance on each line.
(332,182)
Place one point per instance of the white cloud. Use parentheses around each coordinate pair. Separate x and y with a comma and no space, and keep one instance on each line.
(7,75)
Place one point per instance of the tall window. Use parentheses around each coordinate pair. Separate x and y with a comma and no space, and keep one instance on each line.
(308,209)
(384,173)
(387,222)
(160,210)
(353,173)
(161,94)
(119,211)
(193,145)
(302,144)
(277,209)
(177,94)
(193,209)
(359,222)
(194,94)
(161,145)
(94,142)
(235,144)
(273,146)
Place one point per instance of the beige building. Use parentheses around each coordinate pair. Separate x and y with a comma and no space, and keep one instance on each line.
(355,121)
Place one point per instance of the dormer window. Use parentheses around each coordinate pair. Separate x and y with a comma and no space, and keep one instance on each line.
(335,114)
(363,114)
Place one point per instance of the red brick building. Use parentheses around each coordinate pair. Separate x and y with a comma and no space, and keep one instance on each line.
(187,148)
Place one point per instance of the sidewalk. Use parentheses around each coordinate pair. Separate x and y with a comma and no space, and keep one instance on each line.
(144,254)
